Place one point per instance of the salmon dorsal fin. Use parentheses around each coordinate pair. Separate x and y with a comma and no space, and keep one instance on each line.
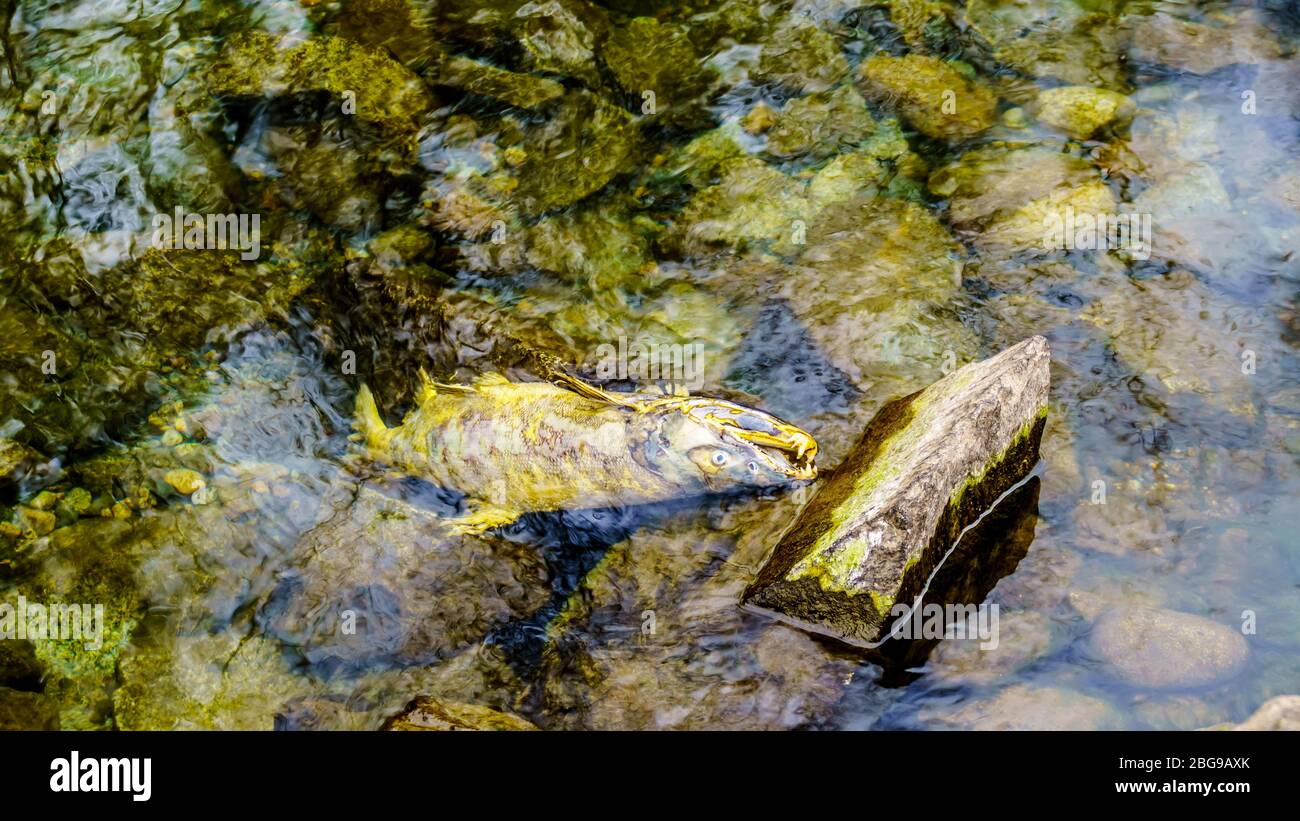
(428,388)
(487,380)
(483,380)
(581,388)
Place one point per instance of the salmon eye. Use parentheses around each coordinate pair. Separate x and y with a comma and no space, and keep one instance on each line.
(719,457)
(753,467)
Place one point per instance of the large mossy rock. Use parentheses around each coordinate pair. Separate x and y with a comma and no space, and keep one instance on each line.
(576,153)
(259,64)
(927,466)
(933,96)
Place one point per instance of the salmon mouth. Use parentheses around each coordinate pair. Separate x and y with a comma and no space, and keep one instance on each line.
(788,461)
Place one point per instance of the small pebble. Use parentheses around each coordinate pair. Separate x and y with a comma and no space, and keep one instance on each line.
(45,500)
(204,495)
(184,482)
(39,522)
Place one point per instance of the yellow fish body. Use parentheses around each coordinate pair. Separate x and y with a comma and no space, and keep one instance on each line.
(520,447)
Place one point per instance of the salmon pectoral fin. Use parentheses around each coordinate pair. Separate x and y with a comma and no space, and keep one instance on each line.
(370,428)
(482,517)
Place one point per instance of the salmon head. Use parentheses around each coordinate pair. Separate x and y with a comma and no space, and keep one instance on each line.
(720,446)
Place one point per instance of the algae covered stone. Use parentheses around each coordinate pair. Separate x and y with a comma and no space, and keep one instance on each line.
(478,77)
(558,36)
(1081,111)
(259,64)
(753,204)
(1062,40)
(821,125)
(927,466)
(184,482)
(803,57)
(649,56)
(574,154)
(931,95)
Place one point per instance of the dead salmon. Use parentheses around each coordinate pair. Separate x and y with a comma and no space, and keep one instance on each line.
(520,447)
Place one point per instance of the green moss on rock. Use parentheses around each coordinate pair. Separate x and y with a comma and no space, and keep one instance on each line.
(259,64)
(576,153)
(876,530)
(801,56)
(821,125)
(931,95)
(647,55)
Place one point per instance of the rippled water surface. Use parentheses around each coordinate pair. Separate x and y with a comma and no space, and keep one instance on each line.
(826,205)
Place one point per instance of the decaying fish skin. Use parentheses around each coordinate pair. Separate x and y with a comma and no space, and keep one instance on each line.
(520,447)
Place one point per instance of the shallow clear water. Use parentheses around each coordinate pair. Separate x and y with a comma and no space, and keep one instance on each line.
(821,250)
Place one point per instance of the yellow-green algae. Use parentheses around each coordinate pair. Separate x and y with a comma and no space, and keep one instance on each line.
(256,64)
(933,96)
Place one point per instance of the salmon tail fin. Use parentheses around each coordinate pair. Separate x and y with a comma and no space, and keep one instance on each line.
(370,427)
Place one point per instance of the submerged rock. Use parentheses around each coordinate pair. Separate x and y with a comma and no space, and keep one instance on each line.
(1001,196)
(477,77)
(21,710)
(927,466)
(129,334)
(1158,648)
(1027,707)
(575,153)
(1080,111)
(652,639)
(185,482)
(820,125)
(932,96)
(870,289)
(927,26)
(16,461)
(383,581)
(395,25)
(1176,331)
(223,681)
(646,55)
(1279,713)
(1023,638)
(558,36)
(259,64)
(1059,40)
(752,205)
(427,713)
(1163,39)
(802,57)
